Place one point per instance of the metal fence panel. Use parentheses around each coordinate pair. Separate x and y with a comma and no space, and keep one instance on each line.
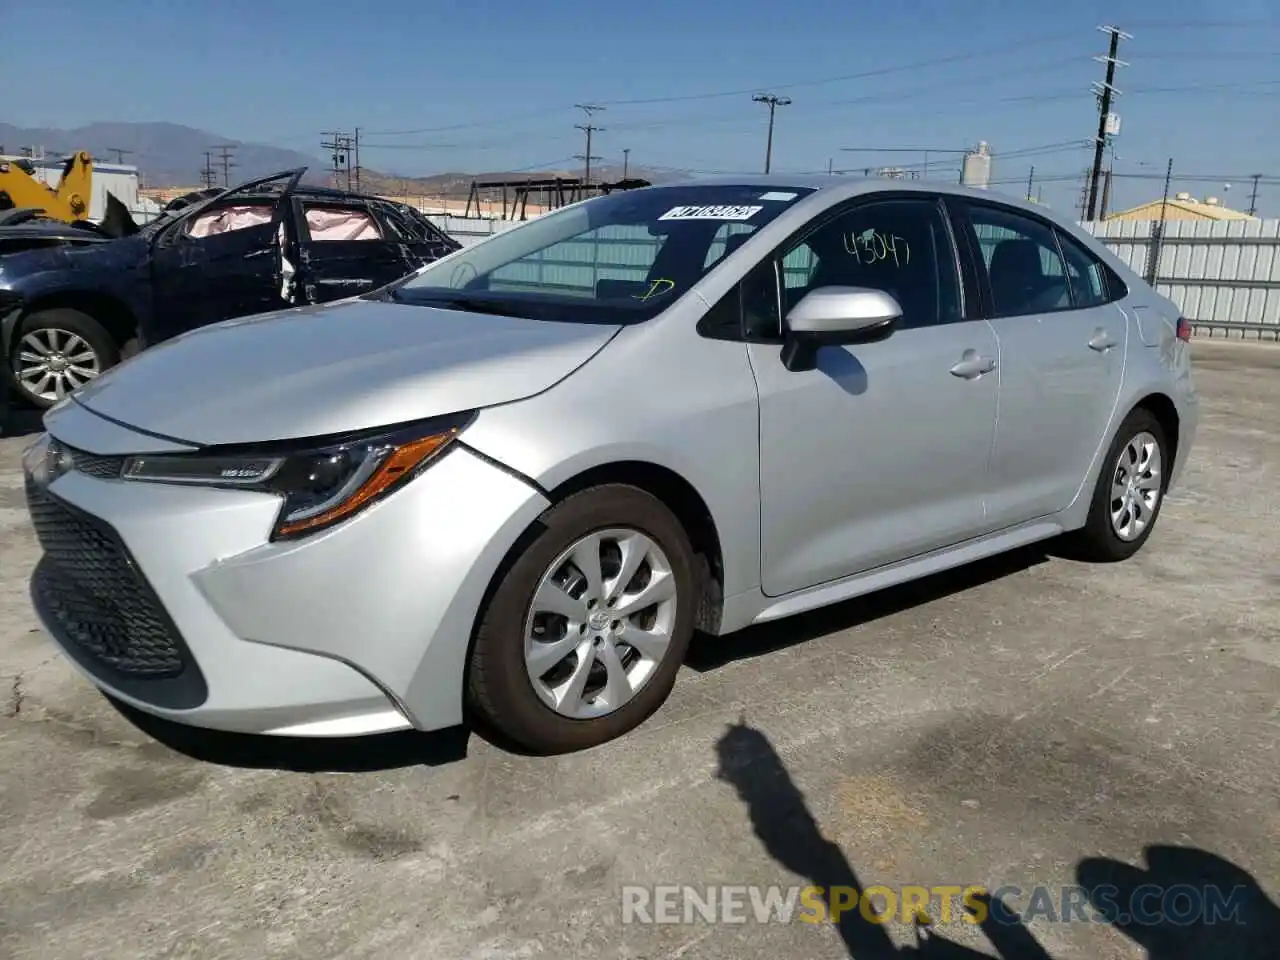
(1223,274)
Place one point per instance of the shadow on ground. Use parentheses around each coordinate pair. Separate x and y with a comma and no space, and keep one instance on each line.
(1247,925)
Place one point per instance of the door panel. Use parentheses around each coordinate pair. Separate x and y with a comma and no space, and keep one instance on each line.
(201,277)
(344,252)
(880,453)
(1062,354)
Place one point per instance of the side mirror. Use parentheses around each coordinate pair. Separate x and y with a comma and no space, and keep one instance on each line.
(836,315)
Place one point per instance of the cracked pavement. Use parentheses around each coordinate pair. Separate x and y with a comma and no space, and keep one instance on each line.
(996,725)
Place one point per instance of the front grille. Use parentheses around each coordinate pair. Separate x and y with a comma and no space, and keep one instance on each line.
(90,586)
(93,465)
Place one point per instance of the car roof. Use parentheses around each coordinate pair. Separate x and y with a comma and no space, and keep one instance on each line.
(835,187)
(310,191)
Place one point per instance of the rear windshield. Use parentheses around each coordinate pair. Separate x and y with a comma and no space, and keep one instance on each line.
(620,258)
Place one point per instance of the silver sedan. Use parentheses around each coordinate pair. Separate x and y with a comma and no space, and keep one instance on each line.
(513,484)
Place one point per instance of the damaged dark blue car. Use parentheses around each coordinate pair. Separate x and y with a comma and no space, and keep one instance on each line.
(73,303)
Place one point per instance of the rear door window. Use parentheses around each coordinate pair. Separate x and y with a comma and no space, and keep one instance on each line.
(326,223)
(1085,274)
(1024,265)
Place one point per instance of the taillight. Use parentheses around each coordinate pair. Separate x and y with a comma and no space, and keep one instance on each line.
(1184,329)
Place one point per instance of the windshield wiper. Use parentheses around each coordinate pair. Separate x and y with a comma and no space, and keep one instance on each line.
(458,302)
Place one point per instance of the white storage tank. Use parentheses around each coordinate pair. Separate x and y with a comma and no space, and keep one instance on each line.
(976,169)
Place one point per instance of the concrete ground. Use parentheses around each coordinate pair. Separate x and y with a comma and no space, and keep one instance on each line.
(1026,721)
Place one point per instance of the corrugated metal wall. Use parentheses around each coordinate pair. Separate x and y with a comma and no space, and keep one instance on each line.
(1225,275)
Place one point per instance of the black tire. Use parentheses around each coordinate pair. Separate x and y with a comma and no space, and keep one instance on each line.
(1097,540)
(499,690)
(72,321)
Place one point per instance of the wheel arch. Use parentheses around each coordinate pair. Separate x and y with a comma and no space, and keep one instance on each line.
(1162,407)
(677,493)
(114,315)
(683,499)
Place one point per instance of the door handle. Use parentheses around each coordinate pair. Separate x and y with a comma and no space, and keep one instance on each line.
(971,365)
(1102,341)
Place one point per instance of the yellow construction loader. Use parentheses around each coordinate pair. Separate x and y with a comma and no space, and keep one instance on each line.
(69,201)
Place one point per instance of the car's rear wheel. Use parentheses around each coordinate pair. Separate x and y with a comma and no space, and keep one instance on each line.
(1129,493)
(56,352)
(587,627)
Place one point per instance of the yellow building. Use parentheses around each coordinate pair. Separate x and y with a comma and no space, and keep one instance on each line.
(1181,206)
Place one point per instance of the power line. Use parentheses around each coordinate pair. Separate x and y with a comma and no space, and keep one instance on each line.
(588,128)
(774,102)
(861,75)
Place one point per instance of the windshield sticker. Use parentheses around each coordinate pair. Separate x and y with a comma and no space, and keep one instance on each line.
(657,288)
(777,196)
(711,213)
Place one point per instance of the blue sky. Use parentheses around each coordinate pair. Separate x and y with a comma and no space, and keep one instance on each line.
(490,84)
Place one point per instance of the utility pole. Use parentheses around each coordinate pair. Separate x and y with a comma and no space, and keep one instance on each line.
(1168,176)
(1253,196)
(1106,194)
(227,163)
(207,176)
(773,102)
(1031,176)
(626,163)
(339,147)
(356,149)
(588,128)
(119,153)
(1105,92)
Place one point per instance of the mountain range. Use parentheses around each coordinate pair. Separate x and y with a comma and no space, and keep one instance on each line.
(173,155)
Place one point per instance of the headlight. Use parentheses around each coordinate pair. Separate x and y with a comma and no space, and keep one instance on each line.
(322,484)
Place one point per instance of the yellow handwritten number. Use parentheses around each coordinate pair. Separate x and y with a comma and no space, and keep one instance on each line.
(656,289)
(875,247)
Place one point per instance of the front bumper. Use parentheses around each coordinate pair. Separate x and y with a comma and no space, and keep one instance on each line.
(359,629)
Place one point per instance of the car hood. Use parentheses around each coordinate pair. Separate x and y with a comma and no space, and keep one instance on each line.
(96,253)
(355,365)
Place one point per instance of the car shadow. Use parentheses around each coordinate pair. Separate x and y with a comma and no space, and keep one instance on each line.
(363,754)
(1247,929)
(711,652)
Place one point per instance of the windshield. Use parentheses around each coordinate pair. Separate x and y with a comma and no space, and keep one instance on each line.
(621,258)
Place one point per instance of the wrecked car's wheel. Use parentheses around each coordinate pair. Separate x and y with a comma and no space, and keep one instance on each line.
(56,352)
(585,632)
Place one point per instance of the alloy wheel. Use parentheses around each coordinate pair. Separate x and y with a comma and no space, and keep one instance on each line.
(600,623)
(51,363)
(1136,486)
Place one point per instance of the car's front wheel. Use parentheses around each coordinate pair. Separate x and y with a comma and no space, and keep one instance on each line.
(56,352)
(585,632)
